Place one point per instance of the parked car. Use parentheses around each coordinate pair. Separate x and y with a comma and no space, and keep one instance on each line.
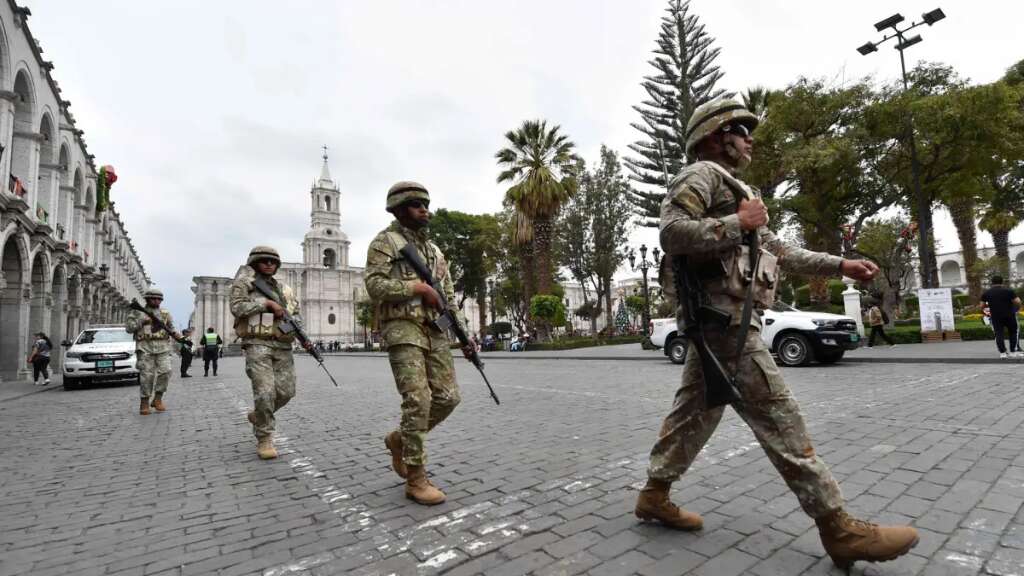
(796,337)
(101,353)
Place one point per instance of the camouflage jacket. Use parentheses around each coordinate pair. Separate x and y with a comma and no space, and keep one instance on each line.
(146,340)
(699,221)
(389,282)
(253,323)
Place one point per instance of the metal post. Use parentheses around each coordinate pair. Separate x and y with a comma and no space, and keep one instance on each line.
(924,209)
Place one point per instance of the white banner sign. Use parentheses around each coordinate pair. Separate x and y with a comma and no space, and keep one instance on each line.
(936,305)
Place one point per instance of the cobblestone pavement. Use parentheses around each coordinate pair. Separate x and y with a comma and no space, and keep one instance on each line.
(542,484)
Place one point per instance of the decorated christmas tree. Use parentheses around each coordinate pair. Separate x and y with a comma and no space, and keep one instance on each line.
(622,317)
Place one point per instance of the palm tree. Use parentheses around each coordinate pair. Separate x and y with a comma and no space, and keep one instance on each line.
(539,162)
(757,100)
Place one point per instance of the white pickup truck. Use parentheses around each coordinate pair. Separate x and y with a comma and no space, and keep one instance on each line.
(795,337)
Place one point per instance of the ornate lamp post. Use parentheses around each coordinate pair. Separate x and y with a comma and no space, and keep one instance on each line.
(643,266)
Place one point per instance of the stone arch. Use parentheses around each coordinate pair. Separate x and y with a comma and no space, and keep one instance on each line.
(38,303)
(58,309)
(47,196)
(330,258)
(949,273)
(5,57)
(65,194)
(13,319)
(21,143)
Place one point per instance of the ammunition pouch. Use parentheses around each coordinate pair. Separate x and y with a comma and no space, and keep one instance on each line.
(732,276)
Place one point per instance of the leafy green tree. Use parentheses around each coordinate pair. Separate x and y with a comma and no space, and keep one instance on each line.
(594,229)
(890,243)
(685,77)
(548,310)
(635,305)
(470,243)
(366,316)
(539,162)
(814,143)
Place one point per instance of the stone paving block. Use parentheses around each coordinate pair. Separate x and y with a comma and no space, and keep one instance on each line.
(1006,562)
(714,543)
(783,563)
(577,563)
(730,563)
(623,565)
(940,521)
(765,543)
(522,565)
(952,563)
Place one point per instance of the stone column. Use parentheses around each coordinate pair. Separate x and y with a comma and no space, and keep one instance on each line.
(851,302)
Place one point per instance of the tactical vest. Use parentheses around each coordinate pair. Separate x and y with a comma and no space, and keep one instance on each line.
(210,339)
(263,325)
(412,309)
(146,333)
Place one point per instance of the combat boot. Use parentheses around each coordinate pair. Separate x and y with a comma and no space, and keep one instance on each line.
(419,489)
(144,407)
(847,539)
(654,504)
(393,441)
(158,403)
(265,448)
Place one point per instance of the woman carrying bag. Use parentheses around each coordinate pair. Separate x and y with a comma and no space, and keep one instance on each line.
(40,358)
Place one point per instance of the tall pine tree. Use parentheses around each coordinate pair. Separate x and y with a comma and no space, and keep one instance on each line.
(686,78)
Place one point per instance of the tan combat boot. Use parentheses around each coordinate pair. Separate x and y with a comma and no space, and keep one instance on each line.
(144,407)
(419,489)
(393,441)
(847,539)
(265,448)
(158,403)
(654,504)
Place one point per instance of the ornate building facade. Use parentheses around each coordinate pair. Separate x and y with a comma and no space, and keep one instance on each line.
(326,285)
(63,264)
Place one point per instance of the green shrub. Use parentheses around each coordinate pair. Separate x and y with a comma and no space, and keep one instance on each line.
(803,296)
(573,343)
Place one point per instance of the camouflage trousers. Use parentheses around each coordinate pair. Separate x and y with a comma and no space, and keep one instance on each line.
(426,380)
(768,408)
(154,372)
(272,372)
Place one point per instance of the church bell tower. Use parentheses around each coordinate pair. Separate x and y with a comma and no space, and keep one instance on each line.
(325,245)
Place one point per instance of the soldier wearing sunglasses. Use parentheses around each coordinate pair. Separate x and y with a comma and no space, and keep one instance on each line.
(419,354)
(711,222)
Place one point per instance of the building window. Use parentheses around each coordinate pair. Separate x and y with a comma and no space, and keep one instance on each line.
(331,318)
(329,232)
(330,258)
(327,201)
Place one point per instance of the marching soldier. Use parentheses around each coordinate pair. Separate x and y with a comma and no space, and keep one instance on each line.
(702,226)
(153,347)
(268,351)
(419,354)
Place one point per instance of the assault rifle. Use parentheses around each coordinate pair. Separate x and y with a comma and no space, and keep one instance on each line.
(157,321)
(290,324)
(446,320)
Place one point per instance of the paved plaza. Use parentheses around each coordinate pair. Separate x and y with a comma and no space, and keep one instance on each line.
(543,484)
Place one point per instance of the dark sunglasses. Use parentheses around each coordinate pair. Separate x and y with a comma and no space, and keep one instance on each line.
(267,261)
(418,204)
(738,129)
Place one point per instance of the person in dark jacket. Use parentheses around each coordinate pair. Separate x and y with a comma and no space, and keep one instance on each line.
(185,351)
(211,344)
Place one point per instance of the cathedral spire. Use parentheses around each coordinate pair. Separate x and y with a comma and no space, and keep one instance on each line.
(325,173)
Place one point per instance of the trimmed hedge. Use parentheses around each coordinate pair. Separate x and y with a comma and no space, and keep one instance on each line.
(573,343)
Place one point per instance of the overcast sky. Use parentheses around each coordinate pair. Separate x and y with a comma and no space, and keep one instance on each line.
(214,113)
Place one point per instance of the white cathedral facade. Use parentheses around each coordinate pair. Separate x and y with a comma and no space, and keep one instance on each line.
(326,285)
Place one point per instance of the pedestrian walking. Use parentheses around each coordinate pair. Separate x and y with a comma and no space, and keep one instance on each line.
(185,351)
(708,220)
(153,346)
(877,320)
(211,343)
(417,350)
(39,358)
(1003,304)
(268,350)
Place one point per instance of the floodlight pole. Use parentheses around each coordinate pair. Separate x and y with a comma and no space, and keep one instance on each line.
(928,273)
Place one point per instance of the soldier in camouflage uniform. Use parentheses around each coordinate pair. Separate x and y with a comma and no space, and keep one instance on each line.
(268,351)
(700,219)
(421,360)
(153,349)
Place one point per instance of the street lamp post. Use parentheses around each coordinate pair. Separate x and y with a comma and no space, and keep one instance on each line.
(643,266)
(490,291)
(924,214)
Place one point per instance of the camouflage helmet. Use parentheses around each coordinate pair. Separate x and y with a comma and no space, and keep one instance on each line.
(404,191)
(153,292)
(263,253)
(710,116)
